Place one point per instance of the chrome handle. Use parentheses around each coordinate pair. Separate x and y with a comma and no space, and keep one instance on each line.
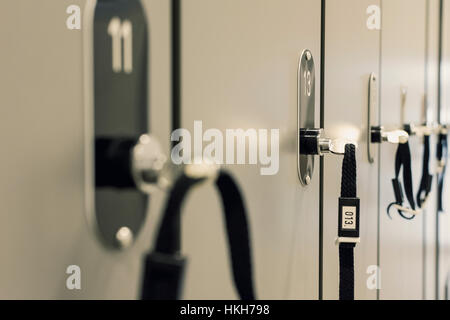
(147,164)
(312,143)
(379,135)
(152,171)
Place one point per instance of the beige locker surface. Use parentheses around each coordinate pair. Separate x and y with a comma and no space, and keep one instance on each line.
(429,216)
(444,218)
(352,54)
(403,57)
(240,63)
(42,205)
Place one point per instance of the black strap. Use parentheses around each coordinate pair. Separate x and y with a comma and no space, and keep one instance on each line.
(350,228)
(168,238)
(403,161)
(164,267)
(442,154)
(238,235)
(427,178)
(348,180)
(346,271)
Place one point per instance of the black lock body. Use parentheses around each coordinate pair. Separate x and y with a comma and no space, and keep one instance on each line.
(309,141)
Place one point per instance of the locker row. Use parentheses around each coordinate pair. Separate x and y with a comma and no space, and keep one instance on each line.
(211,149)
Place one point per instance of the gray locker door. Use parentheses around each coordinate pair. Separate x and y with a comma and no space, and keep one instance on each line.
(431,90)
(351,55)
(41,130)
(403,57)
(444,218)
(239,70)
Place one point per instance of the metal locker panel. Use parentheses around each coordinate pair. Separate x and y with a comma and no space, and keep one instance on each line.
(429,216)
(239,70)
(351,55)
(403,57)
(42,202)
(443,291)
(41,130)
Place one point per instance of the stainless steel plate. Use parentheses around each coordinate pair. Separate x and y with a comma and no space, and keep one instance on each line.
(305,112)
(116,54)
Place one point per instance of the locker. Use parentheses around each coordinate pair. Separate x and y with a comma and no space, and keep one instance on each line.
(351,56)
(43,84)
(46,229)
(403,64)
(240,69)
(442,291)
(431,91)
(239,65)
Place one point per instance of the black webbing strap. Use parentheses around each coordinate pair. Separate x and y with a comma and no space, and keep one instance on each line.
(238,235)
(164,267)
(348,230)
(346,271)
(403,160)
(442,153)
(427,178)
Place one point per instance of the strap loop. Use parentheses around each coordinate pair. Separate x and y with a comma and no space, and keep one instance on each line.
(403,160)
(441,155)
(168,242)
(427,178)
(348,230)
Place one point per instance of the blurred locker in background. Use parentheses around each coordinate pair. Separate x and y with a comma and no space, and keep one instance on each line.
(442,272)
(403,56)
(351,56)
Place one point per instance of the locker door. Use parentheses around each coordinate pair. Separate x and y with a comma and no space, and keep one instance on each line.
(41,130)
(403,57)
(239,70)
(351,55)
(443,291)
(431,90)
